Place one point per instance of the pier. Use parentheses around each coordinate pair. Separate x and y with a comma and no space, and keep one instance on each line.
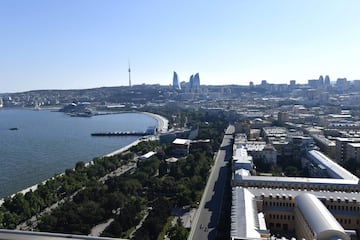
(110,134)
(149,131)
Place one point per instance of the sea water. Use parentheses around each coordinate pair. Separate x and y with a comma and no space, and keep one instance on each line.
(44,143)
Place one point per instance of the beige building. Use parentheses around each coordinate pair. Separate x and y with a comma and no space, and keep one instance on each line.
(341,147)
(254,134)
(315,215)
(269,155)
(283,117)
(314,221)
(326,146)
(353,151)
(180,147)
(304,208)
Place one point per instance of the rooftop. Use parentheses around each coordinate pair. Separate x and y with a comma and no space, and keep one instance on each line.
(321,221)
(334,169)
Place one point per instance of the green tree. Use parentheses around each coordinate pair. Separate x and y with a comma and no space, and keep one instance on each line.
(18,205)
(178,232)
(291,171)
(35,201)
(80,166)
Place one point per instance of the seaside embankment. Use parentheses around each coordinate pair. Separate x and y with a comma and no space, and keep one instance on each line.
(163,124)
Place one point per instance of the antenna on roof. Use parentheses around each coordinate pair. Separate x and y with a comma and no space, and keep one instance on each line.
(129,74)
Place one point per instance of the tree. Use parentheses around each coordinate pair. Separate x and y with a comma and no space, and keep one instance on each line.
(10,220)
(35,201)
(291,171)
(47,223)
(114,230)
(79,166)
(18,205)
(178,232)
(163,168)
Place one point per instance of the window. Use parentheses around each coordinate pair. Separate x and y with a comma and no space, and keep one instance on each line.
(285,227)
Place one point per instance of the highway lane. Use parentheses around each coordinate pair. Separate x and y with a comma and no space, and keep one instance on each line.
(208,214)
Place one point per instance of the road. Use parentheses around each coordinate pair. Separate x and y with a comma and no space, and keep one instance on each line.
(208,214)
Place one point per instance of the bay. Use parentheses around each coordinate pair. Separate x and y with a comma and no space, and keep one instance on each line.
(46,143)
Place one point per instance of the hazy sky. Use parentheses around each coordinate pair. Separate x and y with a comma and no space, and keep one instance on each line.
(62,44)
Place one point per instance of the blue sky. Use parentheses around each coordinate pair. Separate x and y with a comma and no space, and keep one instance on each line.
(63,44)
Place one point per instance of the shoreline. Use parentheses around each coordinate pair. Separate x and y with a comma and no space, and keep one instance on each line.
(35,186)
(162,127)
(163,123)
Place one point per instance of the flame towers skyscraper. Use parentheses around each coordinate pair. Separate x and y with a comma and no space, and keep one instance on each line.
(176,83)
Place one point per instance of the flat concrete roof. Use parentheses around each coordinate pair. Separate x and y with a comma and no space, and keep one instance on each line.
(319,194)
(27,235)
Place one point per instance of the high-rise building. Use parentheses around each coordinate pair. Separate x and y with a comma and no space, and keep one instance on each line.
(315,83)
(321,80)
(196,82)
(292,84)
(327,80)
(342,84)
(176,83)
(283,116)
(191,81)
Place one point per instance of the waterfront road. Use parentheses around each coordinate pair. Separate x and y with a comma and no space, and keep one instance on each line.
(208,213)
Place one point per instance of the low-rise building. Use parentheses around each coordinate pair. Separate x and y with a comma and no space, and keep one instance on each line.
(258,212)
(326,146)
(314,220)
(269,155)
(180,147)
(341,147)
(353,151)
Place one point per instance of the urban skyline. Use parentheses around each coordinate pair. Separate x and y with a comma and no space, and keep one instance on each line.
(87,44)
(281,143)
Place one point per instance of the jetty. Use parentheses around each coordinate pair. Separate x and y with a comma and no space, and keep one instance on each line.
(109,134)
(149,131)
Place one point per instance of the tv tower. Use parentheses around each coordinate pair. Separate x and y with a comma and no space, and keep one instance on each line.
(129,75)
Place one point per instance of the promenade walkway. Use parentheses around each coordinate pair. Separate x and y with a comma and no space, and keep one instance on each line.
(163,123)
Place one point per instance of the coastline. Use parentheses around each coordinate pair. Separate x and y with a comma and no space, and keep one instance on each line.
(162,127)
(34,187)
(163,123)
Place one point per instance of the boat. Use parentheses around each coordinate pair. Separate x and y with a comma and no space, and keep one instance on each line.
(13,129)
